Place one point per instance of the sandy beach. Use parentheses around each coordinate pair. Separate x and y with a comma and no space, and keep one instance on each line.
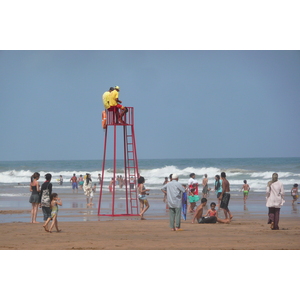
(83,229)
(152,235)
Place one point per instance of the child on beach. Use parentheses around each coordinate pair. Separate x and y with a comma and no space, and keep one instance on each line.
(142,196)
(212,216)
(94,188)
(199,210)
(218,188)
(55,201)
(184,203)
(193,198)
(111,184)
(294,192)
(80,181)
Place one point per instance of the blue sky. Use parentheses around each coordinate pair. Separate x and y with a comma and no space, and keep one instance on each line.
(188,104)
(196,93)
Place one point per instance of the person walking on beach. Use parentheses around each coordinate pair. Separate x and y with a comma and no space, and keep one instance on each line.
(121,182)
(218,188)
(111,185)
(174,192)
(35,196)
(55,201)
(193,183)
(205,186)
(225,196)
(294,193)
(275,199)
(142,192)
(165,194)
(46,191)
(245,189)
(88,190)
(74,183)
(80,181)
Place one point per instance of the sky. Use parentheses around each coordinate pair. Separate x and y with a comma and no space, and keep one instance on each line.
(188,104)
(204,83)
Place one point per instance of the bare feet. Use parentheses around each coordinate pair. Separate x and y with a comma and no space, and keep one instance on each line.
(59,230)
(272,225)
(35,222)
(45,227)
(173,229)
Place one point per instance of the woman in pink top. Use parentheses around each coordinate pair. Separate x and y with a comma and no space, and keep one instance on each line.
(275,195)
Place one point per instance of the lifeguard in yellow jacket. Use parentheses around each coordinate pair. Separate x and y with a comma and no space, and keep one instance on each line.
(114,102)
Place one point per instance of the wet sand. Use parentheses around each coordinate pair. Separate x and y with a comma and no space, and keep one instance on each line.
(82,228)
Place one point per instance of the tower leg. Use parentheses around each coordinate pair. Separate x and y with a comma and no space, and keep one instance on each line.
(103,168)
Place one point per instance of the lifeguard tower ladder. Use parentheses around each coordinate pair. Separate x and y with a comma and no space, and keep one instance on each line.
(130,164)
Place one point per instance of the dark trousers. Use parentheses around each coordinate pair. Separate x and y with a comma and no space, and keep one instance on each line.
(274,217)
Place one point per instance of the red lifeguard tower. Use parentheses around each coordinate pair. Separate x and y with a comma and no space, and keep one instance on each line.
(130,165)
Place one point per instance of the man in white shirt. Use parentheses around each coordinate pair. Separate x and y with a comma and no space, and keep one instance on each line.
(174,192)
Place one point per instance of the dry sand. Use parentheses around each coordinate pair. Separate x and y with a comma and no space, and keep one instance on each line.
(134,234)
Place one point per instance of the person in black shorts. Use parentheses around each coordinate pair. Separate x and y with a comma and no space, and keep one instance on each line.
(225,196)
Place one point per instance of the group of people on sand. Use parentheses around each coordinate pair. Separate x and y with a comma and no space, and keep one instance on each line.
(173,193)
(42,196)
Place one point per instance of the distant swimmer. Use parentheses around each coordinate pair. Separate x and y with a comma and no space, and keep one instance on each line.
(245,189)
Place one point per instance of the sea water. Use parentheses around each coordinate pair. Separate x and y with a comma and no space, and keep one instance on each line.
(15,179)
(257,171)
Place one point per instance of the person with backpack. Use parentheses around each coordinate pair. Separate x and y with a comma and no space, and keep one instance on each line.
(46,191)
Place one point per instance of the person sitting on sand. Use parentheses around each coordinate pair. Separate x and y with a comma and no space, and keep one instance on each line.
(55,201)
(212,216)
(144,204)
(199,211)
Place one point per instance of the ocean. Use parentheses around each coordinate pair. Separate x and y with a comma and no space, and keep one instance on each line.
(15,179)
(257,171)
